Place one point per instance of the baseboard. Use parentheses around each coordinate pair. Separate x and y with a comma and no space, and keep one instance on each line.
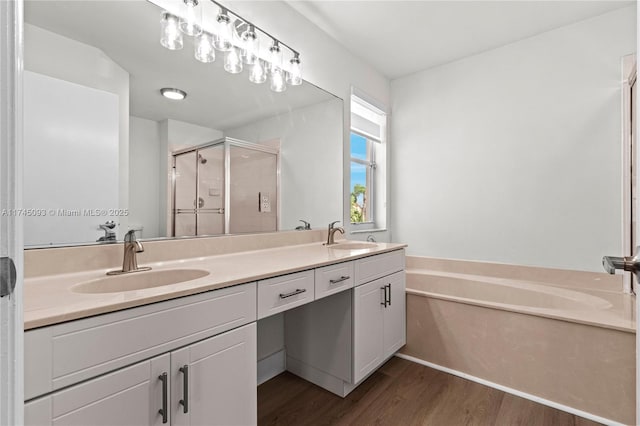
(512,391)
(317,377)
(271,366)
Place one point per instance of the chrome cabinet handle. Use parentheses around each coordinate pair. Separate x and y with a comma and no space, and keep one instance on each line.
(339,280)
(163,411)
(384,289)
(293,293)
(185,388)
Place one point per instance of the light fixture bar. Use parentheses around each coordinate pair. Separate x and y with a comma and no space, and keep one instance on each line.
(295,52)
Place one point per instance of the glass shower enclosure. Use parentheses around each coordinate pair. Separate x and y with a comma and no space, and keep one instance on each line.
(226,186)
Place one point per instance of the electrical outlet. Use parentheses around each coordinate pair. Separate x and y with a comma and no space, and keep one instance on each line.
(264,202)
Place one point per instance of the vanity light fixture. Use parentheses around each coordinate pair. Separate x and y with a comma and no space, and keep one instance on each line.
(250,45)
(232,61)
(275,56)
(173,94)
(170,34)
(239,49)
(224,37)
(294,76)
(204,48)
(191,23)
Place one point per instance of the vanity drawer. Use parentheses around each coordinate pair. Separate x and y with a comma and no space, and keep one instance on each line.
(378,266)
(281,293)
(334,279)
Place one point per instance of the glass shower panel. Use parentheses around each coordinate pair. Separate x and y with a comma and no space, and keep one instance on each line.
(211,190)
(184,194)
(253,197)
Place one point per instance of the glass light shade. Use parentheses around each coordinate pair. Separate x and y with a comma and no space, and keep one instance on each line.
(250,46)
(204,48)
(258,72)
(294,76)
(232,61)
(224,35)
(191,23)
(170,35)
(275,58)
(277,81)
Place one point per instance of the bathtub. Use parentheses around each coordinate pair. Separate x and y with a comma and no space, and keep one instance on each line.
(565,344)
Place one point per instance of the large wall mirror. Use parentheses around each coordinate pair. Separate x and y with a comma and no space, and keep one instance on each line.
(105,152)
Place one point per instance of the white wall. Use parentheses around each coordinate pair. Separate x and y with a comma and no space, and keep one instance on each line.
(514,155)
(144,177)
(56,56)
(310,148)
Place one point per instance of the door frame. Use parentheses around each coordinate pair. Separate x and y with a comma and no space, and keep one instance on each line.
(11,245)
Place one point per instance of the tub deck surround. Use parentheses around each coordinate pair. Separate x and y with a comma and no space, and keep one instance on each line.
(561,336)
(49,298)
(600,308)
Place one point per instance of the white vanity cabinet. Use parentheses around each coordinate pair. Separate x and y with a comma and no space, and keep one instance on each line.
(108,369)
(336,342)
(379,328)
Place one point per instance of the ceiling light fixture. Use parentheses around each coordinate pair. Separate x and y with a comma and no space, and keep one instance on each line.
(173,94)
(240,41)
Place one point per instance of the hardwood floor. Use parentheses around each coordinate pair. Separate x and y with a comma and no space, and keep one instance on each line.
(402,393)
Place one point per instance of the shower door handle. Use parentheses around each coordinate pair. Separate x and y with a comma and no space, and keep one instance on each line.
(200,202)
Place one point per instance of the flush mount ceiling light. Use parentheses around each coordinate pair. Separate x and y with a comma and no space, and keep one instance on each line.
(238,38)
(173,94)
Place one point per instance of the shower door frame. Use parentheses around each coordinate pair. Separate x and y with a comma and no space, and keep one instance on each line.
(227,143)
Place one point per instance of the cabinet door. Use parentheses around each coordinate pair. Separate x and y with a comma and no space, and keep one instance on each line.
(368,326)
(129,396)
(221,380)
(395,315)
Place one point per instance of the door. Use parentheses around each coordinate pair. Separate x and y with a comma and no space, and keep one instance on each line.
(210,206)
(11,324)
(395,335)
(214,382)
(135,395)
(368,328)
(184,194)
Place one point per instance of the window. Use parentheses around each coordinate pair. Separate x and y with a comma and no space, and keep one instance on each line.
(367,183)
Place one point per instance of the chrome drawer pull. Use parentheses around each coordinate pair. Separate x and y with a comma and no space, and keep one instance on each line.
(293,293)
(339,280)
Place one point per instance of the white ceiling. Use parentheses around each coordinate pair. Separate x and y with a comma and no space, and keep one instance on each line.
(403,37)
(129,33)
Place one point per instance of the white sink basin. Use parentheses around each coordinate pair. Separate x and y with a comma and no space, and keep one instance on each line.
(138,281)
(353,246)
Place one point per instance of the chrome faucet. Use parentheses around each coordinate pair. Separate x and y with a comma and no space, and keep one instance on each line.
(109,233)
(332,231)
(131,248)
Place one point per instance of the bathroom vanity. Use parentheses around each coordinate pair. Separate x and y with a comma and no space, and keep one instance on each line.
(186,353)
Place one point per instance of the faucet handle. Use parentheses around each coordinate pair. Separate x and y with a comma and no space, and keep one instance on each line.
(307,225)
(130,236)
(332,224)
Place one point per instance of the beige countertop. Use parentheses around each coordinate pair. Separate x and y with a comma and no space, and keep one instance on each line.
(50,299)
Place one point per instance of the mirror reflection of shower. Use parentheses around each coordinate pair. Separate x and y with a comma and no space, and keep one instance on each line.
(226,186)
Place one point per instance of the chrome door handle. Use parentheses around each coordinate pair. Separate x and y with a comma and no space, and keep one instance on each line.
(628,263)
